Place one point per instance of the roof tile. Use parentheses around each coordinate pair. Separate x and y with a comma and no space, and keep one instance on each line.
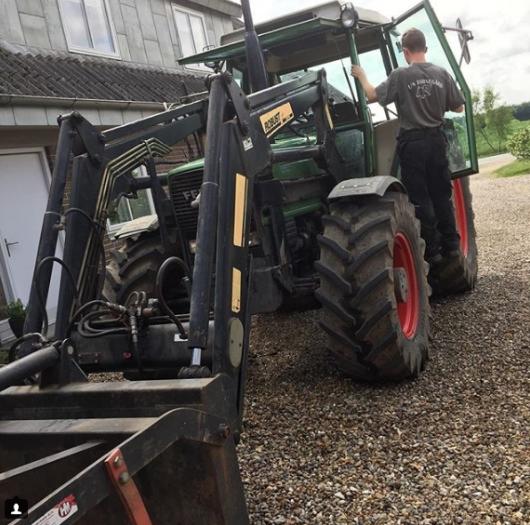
(68,77)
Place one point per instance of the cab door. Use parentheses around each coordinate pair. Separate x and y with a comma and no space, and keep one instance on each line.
(459,128)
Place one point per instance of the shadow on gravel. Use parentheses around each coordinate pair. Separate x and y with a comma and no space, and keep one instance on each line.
(473,333)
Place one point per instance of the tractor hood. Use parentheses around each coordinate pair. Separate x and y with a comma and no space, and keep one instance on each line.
(198,165)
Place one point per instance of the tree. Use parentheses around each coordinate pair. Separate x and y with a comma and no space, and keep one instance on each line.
(480,117)
(522,111)
(491,120)
(519,144)
(498,119)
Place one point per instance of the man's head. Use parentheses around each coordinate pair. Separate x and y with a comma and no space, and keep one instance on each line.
(414,46)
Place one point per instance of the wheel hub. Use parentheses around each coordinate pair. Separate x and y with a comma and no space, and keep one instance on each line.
(401,285)
(406,286)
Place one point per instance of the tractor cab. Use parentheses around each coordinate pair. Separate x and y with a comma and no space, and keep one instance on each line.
(333,36)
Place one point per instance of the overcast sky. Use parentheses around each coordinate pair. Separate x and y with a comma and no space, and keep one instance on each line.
(500,51)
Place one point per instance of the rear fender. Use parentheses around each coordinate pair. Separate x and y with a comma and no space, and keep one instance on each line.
(366,186)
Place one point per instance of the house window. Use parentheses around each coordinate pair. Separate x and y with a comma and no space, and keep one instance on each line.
(192,33)
(88,27)
(130,209)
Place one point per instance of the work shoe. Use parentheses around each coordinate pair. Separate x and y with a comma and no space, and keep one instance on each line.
(435,261)
(453,254)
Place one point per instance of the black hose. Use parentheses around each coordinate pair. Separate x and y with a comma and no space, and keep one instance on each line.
(42,302)
(85,330)
(171,261)
(109,306)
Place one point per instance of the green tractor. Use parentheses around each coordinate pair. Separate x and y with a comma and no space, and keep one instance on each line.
(339,233)
(297,204)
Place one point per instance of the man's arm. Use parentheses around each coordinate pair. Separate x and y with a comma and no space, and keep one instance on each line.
(385,93)
(455,99)
(359,73)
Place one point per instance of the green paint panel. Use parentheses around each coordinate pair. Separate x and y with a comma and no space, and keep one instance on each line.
(301,208)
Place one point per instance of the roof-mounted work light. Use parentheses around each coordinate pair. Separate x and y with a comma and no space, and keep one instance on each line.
(349,16)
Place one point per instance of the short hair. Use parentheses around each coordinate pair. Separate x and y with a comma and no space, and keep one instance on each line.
(414,41)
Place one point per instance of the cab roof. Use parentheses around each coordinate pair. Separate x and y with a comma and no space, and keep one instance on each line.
(283,37)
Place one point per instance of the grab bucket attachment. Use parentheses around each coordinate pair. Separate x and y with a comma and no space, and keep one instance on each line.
(141,468)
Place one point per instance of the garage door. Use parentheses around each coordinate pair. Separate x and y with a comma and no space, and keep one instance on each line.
(24,183)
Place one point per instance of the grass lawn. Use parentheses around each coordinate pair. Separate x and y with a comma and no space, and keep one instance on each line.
(484,150)
(519,167)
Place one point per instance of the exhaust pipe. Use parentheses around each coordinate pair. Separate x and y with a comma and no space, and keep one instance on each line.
(257,71)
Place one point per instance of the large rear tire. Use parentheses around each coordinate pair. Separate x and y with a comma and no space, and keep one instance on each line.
(373,289)
(459,274)
(133,267)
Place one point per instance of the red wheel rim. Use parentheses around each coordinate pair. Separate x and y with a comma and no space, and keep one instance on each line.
(409,308)
(461,215)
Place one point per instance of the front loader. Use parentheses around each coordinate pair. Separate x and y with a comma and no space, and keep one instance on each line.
(296,204)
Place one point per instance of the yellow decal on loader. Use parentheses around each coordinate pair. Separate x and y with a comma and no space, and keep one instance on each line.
(328,114)
(240,209)
(236,290)
(276,119)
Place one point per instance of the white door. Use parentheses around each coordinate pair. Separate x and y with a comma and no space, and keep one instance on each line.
(24,186)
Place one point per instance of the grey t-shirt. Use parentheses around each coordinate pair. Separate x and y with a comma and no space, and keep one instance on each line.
(422,94)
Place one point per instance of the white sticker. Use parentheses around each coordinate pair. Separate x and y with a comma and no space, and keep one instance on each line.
(64,510)
(248,144)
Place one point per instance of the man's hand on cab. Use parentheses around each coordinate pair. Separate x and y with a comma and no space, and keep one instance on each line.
(358,72)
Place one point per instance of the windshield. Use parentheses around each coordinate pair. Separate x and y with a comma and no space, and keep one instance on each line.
(338,81)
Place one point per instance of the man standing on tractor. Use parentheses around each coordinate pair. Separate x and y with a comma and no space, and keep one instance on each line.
(423,93)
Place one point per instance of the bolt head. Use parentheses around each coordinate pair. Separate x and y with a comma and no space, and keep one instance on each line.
(124,477)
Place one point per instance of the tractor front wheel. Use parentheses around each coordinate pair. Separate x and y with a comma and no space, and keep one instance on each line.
(134,266)
(373,288)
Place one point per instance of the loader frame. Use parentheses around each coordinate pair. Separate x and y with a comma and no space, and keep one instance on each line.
(65,420)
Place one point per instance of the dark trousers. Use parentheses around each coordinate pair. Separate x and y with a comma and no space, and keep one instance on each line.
(425,173)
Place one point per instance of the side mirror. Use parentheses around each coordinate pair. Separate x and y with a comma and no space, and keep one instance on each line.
(464,36)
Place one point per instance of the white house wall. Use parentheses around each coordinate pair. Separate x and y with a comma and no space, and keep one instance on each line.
(145,29)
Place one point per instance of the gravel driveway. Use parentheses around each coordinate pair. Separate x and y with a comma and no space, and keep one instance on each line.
(451,447)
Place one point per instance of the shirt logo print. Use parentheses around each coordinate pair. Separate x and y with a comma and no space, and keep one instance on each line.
(423,91)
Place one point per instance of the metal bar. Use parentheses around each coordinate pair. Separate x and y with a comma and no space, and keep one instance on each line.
(171,133)
(365,113)
(48,460)
(126,488)
(143,183)
(50,232)
(295,154)
(255,59)
(266,96)
(160,118)
(33,363)
(159,196)
(206,229)
(92,486)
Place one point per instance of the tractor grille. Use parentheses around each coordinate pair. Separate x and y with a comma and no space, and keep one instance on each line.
(183,190)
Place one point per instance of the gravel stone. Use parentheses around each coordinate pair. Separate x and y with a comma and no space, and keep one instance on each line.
(450,447)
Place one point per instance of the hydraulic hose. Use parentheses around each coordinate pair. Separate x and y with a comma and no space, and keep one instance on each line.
(160,276)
